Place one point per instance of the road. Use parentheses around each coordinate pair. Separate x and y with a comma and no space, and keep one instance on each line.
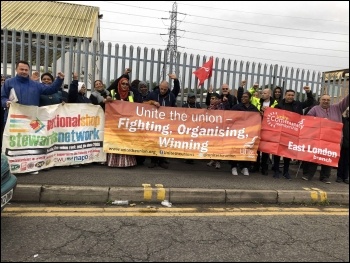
(255,233)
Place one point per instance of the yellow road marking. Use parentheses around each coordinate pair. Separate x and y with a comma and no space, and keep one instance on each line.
(172,214)
(165,212)
(147,191)
(316,194)
(160,192)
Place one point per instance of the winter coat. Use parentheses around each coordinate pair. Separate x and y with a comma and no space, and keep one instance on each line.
(297,106)
(74,96)
(168,99)
(345,142)
(27,91)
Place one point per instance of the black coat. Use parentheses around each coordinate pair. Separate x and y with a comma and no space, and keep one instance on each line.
(297,106)
(345,143)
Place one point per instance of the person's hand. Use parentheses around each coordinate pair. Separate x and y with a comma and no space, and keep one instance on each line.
(108,99)
(210,90)
(8,103)
(156,103)
(35,76)
(60,75)
(127,71)
(307,89)
(172,76)
(75,76)
(224,98)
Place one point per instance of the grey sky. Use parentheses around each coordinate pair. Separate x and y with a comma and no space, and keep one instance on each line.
(306,35)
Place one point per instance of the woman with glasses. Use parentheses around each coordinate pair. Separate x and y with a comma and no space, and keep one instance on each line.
(124,94)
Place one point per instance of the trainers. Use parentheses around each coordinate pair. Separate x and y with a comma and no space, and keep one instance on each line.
(287,176)
(325,180)
(276,175)
(245,171)
(305,178)
(346,181)
(217,165)
(35,172)
(164,165)
(211,163)
(339,180)
(234,171)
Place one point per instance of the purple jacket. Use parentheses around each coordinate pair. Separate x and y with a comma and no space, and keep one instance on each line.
(334,112)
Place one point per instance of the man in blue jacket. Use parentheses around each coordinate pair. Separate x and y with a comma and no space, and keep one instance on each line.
(27,91)
(21,89)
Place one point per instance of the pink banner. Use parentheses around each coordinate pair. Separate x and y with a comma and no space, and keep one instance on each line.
(300,137)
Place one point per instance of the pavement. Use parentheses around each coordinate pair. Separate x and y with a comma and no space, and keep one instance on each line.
(181,183)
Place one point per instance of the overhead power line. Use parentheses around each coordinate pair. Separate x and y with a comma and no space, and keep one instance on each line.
(234,29)
(289,28)
(285,51)
(265,14)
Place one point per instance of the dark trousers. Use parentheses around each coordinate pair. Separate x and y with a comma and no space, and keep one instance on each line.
(140,159)
(241,164)
(264,159)
(343,166)
(158,160)
(309,170)
(276,163)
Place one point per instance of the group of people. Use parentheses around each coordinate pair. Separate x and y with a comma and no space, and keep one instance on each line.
(247,101)
(47,90)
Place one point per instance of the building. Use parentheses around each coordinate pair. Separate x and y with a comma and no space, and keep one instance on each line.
(33,30)
(336,84)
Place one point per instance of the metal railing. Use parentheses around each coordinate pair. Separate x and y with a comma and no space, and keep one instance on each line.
(93,60)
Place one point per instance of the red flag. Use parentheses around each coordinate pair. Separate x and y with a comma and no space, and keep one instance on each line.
(205,71)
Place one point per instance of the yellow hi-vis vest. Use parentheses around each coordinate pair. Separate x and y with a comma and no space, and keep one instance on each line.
(130,97)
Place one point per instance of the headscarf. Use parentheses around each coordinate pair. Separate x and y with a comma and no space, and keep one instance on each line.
(80,85)
(123,94)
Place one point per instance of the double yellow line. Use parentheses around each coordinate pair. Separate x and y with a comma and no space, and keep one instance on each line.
(151,211)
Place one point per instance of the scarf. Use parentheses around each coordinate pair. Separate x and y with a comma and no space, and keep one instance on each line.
(123,93)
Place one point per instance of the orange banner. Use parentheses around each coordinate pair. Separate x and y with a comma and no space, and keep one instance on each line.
(142,129)
(300,137)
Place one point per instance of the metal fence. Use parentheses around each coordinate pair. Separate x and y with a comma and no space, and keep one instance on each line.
(53,53)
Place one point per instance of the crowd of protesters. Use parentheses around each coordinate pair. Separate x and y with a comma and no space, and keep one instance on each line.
(46,90)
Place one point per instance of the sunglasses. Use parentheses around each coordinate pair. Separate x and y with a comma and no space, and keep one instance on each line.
(224,89)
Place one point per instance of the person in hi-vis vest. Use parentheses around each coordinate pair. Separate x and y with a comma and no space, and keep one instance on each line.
(125,94)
